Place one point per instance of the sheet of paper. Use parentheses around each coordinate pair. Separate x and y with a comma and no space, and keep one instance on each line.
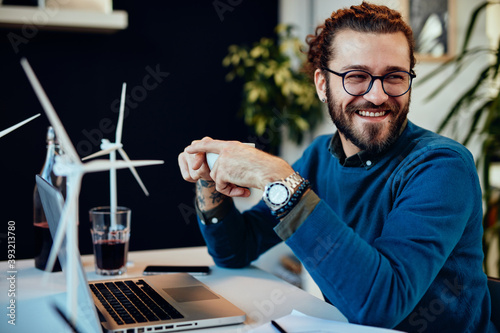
(297,322)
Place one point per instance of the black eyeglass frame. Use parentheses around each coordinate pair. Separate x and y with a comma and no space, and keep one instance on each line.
(374,77)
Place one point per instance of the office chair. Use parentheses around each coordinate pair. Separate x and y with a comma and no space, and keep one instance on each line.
(494,287)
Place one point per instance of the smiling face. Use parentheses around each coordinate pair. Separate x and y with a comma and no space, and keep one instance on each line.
(373,121)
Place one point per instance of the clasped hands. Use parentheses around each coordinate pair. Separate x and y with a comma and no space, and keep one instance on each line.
(238,167)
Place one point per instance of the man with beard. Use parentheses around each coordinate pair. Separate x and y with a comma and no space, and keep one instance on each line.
(384,215)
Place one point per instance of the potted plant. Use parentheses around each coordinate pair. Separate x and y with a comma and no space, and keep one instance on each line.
(482,101)
(276,94)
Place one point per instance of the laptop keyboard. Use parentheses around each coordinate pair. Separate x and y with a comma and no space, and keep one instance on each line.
(131,302)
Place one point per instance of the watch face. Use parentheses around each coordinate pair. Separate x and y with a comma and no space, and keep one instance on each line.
(278,194)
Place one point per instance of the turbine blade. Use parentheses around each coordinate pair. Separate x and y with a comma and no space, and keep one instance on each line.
(69,207)
(103,165)
(134,172)
(54,120)
(119,126)
(12,128)
(103,152)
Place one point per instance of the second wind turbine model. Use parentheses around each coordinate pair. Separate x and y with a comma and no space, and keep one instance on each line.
(110,148)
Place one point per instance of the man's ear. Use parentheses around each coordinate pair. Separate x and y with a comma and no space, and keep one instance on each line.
(320,83)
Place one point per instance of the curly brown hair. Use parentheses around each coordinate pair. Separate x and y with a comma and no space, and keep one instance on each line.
(366,17)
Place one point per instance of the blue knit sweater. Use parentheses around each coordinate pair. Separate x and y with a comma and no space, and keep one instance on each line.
(396,244)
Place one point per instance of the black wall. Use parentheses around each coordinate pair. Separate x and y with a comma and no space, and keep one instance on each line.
(183,42)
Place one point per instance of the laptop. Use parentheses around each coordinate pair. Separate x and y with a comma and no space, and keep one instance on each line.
(158,303)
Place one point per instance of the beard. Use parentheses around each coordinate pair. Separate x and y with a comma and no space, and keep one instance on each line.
(374,138)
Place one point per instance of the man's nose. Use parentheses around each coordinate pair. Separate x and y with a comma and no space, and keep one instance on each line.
(376,95)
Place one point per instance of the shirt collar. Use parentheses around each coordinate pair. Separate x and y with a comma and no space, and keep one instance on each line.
(361,159)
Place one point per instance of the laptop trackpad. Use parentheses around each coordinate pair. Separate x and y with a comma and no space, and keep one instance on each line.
(190,294)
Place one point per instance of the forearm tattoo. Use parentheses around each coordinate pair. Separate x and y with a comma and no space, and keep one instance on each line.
(215,197)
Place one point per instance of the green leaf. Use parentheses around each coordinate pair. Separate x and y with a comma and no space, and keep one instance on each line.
(465,99)
(459,61)
(260,125)
(472,23)
(302,124)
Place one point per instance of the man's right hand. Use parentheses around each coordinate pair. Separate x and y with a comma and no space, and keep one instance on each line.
(187,164)
(206,194)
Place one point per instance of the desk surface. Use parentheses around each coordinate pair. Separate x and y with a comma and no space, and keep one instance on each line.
(261,295)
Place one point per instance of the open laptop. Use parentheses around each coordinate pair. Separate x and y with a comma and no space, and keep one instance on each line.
(164,303)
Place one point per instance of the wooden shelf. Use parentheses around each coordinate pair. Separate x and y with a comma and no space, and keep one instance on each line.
(62,19)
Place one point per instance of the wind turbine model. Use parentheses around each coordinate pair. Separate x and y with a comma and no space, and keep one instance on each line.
(69,165)
(12,128)
(110,148)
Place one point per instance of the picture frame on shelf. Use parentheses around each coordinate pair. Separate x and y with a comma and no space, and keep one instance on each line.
(434,27)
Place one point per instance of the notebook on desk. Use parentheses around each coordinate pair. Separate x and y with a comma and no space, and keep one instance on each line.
(161,303)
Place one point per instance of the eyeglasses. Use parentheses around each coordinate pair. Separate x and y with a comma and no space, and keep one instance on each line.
(359,83)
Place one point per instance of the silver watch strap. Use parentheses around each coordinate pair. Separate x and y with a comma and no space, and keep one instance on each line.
(293,181)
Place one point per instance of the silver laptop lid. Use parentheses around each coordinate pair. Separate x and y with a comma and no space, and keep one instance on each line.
(53,203)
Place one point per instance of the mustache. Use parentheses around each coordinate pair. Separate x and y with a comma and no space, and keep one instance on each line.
(353,108)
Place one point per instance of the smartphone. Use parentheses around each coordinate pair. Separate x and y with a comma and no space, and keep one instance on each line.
(161,269)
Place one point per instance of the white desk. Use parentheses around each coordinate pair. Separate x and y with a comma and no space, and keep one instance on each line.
(260,294)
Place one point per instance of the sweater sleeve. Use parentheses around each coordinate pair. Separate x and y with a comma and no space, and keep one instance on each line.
(380,283)
(240,238)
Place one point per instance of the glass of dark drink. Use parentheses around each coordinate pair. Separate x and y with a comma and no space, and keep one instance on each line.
(110,236)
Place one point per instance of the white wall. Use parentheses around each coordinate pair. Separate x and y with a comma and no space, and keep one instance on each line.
(306,15)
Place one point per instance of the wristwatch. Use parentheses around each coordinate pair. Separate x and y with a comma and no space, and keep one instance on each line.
(282,195)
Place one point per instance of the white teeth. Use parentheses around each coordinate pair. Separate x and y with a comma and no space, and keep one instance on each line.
(372,114)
